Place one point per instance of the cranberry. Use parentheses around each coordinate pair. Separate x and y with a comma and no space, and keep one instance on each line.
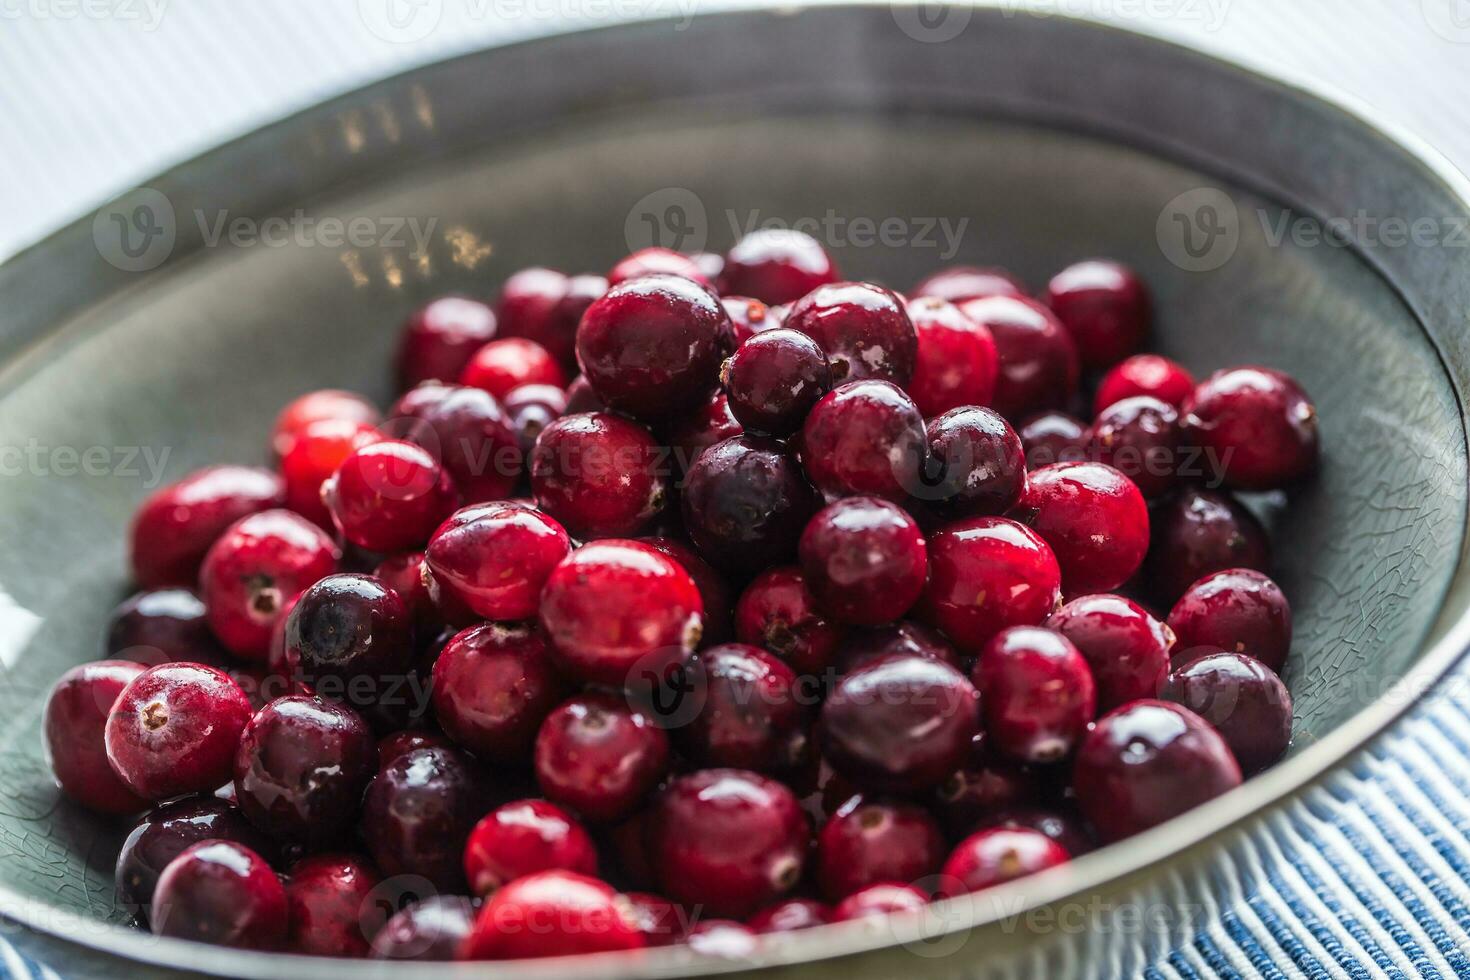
(975,461)
(389,496)
(165,833)
(748,317)
(1038,366)
(393,745)
(995,856)
(529,307)
(494,560)
(962,283)
(656,261)
(552,913)
(987,573)
(1139,437)
(599,474)
(1094,519)
(469,433)
(1126,648)
(864,329)
(301,767)
(418,813)
(659,920)
(745,502)
(1064,827)
(984,786)
(325,898)
(778,612)
(652,346)
(404,574)
(1144,374)
(317,406)
(750,712)
(864,560)
(581,398)
(864,437)
(531,408)
(162,626)
(1036,692)
(174,528)
(1243,698)
(1147,762)
(353,638)
(430,930)
(502,366)
(614,608)
(792,915)
(706,426)
(1238,609)
(774,379)
(315,454)
(869,843)
(75,717)
(1053,437)
(776,265)
(908,637)
(900,725)
(600,757)
(1200,532)
(729,840)
(957,359)
(713,590)
(558,333)
(724,938)
(522,838)
(1104,306)
(439,339)
(222,893)
(493,685)
(173,730)
(882,899)
(1255,424)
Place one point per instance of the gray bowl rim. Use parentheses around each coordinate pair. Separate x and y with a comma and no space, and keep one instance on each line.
(1200,828)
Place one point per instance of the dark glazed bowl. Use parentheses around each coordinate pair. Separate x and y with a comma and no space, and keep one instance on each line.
(575,148)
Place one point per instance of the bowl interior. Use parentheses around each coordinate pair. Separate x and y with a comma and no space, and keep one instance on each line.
(154,382)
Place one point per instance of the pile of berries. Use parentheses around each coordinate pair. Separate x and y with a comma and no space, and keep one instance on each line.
(803,602)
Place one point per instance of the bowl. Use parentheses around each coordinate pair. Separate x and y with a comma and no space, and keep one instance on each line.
(162,333)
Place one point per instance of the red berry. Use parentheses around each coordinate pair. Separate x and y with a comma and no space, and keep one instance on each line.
(468,432)
(778,612)
(1200,532)
(962,283)
(493,686)
(429,930)
(656,261)
(1144,374)
(862,647)
(404,574)
(599,474)
(75,718)
(316,452)
(866,844)
(174,528)
(1238,609)
(1126,648)
(1094,519)
(502,366)
(494,560)
(316,406)
(389,496)
(1038,365)
(864,437)
(864,329)
(600,757)
(418,813)
(1036,692)
(552,913)
(750,714)
(352,639)
(531,408)
(162,626)
(987,573)
(1243,699)
(439,339)
(745,501)
(864,560)
(522,838)
(326,896)
(883,899)
(559,332)
(704,427)
(975,462)
(774,379)
(957,359)
(1255,425)
(776,265)
(995,856)
(791,915)
(1053,437)
(221,893)
(1104,306)
(1139,437)
(528,305)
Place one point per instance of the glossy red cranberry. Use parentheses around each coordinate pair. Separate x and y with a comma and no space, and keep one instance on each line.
(531,408)
(774,379)
(1104,306)
(352,638)
(1238,609)
(317,406)
(599,474)
(75,717)
(430,930)
(165,833)
(1200,532)
(1126,648)
(652,346)
(723,938)
(962,283)
(748,317)
(173,730)
(1053,437)
(221,893)
(987,573)
(326,895)
(975,465)
(522,838)
(301,767)
(776,265)
(866,844)
(162,626)
(656,261)
(993,857)
(792,915)
(1038,364)
(719,602)
(864,559)
(494,560)
(504,365)
(600,757)
(469,432)
(389,496)
(615,607)
(750,713)
(528,307)
(1243,698)
(864,329)
(887,898)
(864,437)
(418,813)
(1036,692)
(1063,826)
(174,528)
(1094,519)
(900,725)
(660,921)
(316,452)
(1256,427)
(907,637)
(552,913)
(1144,374)
(777,611)
(394,744)
(728,840)
(957,358)
(984,786)
(704,427)
(439,339)
(493,685)
(1139,437)
(745,501)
